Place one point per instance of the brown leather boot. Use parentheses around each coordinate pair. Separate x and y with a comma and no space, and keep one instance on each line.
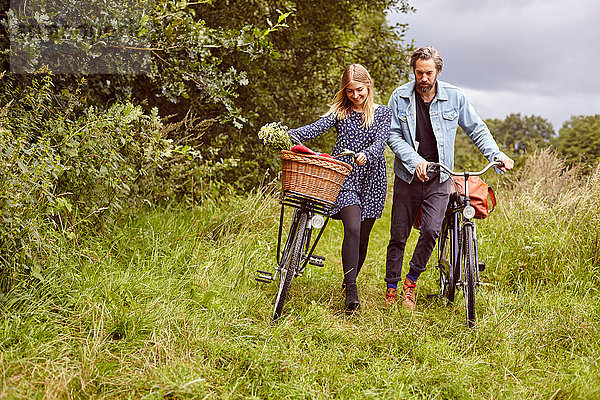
(409,301)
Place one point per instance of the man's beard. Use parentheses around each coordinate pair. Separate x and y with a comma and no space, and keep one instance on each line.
(426,88)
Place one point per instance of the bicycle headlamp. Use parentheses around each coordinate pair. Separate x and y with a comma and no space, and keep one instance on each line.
(469,212)
(317,221)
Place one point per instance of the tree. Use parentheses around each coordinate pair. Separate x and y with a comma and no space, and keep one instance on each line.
(296,86)
(162,45)
(235,64)
(516,134)
(579,138)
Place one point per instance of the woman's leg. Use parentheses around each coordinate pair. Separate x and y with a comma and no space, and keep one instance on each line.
(365,232)
(350,217)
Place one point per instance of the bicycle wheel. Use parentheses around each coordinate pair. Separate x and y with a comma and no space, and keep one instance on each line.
(469,274)
(446,260)
(290,261)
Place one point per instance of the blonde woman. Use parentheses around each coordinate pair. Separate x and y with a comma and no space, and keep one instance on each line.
(363,127)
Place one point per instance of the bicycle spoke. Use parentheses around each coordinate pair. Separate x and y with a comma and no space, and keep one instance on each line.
(289,265)
(469,274)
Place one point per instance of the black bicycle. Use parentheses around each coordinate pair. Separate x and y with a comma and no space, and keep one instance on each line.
(458,253)
(309,213)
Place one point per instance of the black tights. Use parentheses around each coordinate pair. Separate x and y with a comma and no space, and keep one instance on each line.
(356,241)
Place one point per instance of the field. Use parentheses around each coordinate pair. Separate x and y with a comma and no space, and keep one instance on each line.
(165,306)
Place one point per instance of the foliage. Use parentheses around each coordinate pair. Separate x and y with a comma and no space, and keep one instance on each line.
(296,86)
(466,155)
(518,134)
(565,248)
(165,41)
(69,166)
(579,138)
(235,63)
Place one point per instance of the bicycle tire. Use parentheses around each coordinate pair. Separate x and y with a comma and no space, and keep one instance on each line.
(289,265)
(469,274)
(448,274)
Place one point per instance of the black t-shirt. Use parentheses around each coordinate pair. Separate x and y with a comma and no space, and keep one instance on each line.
(425,137)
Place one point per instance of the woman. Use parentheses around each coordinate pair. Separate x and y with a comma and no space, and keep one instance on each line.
(363,127)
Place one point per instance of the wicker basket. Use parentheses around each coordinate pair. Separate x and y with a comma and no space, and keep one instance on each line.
(313,176)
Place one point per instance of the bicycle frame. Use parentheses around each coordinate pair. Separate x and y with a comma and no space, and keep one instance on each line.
(298,250)
(302,204)
(459,233)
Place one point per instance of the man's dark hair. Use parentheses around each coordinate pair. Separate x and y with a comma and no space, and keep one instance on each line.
(425,53)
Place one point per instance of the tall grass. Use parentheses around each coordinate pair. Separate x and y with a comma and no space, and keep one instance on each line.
(549,229)
(167,307)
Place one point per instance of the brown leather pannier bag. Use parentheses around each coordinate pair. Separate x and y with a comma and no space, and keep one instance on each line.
(481,195)
(479,192)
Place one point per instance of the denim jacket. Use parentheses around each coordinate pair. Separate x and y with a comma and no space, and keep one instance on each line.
(449,109)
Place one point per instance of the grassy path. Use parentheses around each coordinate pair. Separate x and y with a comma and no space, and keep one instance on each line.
(167,308)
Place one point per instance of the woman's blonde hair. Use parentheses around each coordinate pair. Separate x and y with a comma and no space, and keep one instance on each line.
(342,106)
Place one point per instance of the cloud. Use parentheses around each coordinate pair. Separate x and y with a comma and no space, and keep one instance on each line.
(557,110)
(532,54)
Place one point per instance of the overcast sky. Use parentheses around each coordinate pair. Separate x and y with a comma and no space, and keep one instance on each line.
(534,57)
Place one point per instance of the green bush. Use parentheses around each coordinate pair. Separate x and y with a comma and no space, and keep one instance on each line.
(71,167)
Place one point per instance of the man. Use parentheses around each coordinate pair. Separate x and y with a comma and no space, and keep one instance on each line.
(425,115)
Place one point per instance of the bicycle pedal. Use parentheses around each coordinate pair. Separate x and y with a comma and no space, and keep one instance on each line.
(317,261)
(265,277)
(481,266)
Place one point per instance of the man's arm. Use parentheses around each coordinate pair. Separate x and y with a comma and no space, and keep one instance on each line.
(397,138)
(480,134)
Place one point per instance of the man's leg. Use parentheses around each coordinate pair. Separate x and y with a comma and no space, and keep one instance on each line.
(404,210)
(433,209)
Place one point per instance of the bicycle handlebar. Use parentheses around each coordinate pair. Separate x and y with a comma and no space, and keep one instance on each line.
(431,167)
(346,152)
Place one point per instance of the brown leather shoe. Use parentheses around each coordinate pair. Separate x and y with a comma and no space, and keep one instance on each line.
(391,296)
(409,300)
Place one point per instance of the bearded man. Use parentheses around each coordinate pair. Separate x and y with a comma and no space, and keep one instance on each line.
(426,113)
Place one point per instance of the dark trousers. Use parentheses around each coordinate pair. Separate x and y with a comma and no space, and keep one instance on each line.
(432,197)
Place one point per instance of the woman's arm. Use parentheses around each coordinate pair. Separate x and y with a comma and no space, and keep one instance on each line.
(382,130)
(313,130)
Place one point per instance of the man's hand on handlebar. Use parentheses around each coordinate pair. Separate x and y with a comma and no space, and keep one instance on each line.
(422,171)
(507,163)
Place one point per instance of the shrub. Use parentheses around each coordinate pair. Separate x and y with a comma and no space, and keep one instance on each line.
(72,167)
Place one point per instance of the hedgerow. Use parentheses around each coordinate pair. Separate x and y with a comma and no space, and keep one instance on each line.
(71,169)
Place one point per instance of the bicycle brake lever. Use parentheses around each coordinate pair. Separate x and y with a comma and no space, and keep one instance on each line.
(431,167)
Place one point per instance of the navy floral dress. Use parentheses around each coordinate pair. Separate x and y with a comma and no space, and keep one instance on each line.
(366,185)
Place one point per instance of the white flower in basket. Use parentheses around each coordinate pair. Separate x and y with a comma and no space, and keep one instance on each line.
(275,136)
